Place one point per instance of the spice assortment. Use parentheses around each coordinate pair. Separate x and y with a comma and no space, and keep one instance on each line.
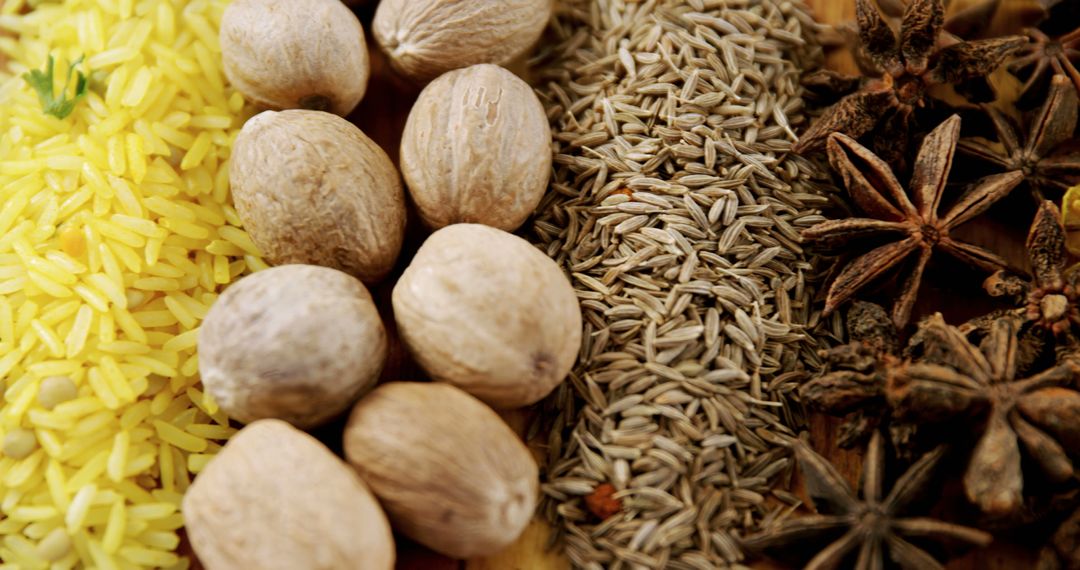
(716,239)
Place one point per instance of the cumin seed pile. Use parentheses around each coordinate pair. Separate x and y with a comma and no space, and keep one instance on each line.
(676,208)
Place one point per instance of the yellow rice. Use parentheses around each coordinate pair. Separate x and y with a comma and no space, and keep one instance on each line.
(116,235)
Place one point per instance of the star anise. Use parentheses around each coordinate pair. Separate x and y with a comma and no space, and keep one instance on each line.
(904,67)
(1041,154)
(976,16)
(911,223)
(870,532)
(970,22)
(980,386)
(853,381)
(1051,296)
(1040,59)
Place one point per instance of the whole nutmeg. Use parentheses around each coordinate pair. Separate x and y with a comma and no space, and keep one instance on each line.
(426,38)
(310,187)
(483,310)
(450,474)
(297,342)
(476,148)
(289,54)
(277,499)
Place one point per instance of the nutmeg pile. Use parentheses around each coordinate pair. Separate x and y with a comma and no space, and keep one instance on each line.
(490,319)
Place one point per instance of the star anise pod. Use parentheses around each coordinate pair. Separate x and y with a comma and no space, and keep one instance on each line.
(968,22)
(1041,151)
(980,386)
(971,22)
(1051,296)
(1040,59)
(872,532)
(904,66)
(911,223)
(853,381)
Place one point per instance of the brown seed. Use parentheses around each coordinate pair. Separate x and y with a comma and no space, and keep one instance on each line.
(649,178)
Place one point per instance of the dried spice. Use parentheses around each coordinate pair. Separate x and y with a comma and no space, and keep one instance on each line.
(1040,59)
(901,69)
(1040,151)
(979,385)
(912,224)
(977,15)
(970,22)
(853,381)
(1052,293)
(867,532)
(602,501)
(975,21)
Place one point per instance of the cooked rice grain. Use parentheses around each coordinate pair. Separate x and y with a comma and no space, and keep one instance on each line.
(116,235)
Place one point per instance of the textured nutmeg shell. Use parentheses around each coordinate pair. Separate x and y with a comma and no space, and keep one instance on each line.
(312,188)
(297,342)
(426,38)
(449,472)
(476,148)
(295,54)
(484,310)
(277,499)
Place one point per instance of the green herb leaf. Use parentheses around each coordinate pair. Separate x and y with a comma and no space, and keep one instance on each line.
(42,83)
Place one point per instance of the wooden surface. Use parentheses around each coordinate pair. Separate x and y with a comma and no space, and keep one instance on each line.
(382,116)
